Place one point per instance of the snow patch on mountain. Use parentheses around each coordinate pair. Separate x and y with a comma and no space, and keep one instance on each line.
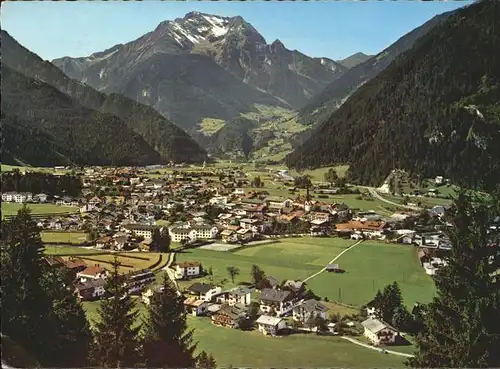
(195,39)
(219,26)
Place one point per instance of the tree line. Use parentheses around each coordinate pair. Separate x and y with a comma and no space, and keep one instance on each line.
(37,182)
(42,314)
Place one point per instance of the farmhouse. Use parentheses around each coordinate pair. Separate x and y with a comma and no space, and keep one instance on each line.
(279,302)
(229,316)
(195,306)
(148,294)
(91,289)
(93,272)
(187,269)
(379,332)
(369,227)
(308,310)
(75,264)
(270,325)
(237,295)
(136,281)
(204,291)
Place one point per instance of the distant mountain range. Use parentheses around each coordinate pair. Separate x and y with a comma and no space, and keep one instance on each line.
(354,59)
(68,121)
(435,110)
(205,66)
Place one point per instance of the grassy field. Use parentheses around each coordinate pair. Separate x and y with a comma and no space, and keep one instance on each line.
(8,168)
(371,266)
(288,259)
(208,126)
(252,349)
(129,263)
(68,237)
(10,208)
(69,250)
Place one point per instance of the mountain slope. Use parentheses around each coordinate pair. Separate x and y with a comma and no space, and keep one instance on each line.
(43,126)
(326,102)
(170,141)
(177,51)
(434,111)
(354,59)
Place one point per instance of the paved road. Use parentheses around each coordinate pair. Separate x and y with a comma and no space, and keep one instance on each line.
(375,348)
(375,194)
(331,261)
(170,272)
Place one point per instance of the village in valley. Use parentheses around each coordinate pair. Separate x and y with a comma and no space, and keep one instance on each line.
(253,249)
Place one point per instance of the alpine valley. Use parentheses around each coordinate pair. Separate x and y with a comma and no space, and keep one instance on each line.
(211,84)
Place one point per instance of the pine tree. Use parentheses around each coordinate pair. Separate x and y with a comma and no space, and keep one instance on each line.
(258,275)
(73,336)
(461,324)
(205,361)
(168,342)
(26,308)
(117,342)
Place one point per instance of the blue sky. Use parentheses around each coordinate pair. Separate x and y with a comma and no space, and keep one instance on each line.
(334,29)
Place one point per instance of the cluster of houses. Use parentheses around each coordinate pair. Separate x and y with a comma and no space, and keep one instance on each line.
(231,307)
(91,279)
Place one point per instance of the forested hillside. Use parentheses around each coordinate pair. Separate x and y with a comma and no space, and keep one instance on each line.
(335,94)
(61,130)
(171,142)
(435,110)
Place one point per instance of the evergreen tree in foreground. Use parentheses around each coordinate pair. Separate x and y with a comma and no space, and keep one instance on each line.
(461,325)
(206,361)
(73,336)
(168,343)
(117,342)
(39,309)
(26,308)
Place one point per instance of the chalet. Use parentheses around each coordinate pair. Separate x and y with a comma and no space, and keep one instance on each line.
(308,310)
(196,306)
(271,282)
(136,281)
(204,291)
(105,242)
(333,268)
(75,264)
(91,290)
(148,294)
(379,332)
(369,228)
(296,287)
(187,269)
(228,235)
(237,295)
(93,272)
(95,201)
(40,197)
(54,261)
(276,301)
(229,316)
(270,325)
